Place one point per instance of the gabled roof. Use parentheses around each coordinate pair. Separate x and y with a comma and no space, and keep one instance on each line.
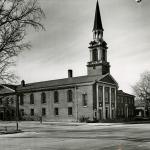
(120,92)
(7,89)
(97,21)
(108,79)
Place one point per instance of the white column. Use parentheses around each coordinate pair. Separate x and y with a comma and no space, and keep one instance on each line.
(110,109)
(98,54)
(97,100)
(104,112)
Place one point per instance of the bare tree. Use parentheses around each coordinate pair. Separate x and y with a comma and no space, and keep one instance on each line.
(15,18)
(142,89)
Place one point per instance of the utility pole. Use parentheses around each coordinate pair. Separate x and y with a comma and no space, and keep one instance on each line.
(17,111)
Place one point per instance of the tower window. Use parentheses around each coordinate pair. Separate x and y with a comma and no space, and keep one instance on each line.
(95,55)
(104,55)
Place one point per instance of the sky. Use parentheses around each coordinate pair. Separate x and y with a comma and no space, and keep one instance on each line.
(64,44)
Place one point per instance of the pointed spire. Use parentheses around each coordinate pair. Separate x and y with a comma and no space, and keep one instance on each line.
(97,22)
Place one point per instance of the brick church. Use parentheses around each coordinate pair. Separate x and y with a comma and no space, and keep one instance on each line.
(94,96)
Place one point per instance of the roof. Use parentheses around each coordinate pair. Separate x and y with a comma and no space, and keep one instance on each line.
(7,88)
(52,84)
(59,82)
(120,92)
(97,21)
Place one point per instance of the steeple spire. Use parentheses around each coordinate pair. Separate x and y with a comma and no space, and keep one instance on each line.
(97,22)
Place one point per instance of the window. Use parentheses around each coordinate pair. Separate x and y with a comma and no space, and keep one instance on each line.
(22,112)
(56,98)
(104,55)
(43,98)
(100,93)
(1,102)
(56,111)
(106,94)
(69,95)
(21,99)
(12,101)
(69,111)
(31,98)
(113,95)
(13,113)
(95,55)
(84,99)
(121,99)
(32,112)
(43,111)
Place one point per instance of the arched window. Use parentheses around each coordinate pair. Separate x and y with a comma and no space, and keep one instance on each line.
(56,97)
(31,98)
(43,98)
(69,95)
(95,55)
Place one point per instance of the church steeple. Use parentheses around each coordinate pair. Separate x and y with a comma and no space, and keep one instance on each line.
(97,21)
(98,27)
(98,64)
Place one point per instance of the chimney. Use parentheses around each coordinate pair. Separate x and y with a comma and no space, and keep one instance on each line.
(23,83)
(70,73)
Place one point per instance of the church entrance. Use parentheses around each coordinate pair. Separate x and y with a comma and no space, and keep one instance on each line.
(100,114)
(107,112)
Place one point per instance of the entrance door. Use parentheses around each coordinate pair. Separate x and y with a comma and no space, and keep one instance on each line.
(107,113)
(100,114)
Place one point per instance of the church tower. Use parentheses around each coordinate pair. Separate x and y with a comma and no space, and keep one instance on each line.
(98,64)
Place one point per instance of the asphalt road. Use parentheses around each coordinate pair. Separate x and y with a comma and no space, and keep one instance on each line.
(76,136)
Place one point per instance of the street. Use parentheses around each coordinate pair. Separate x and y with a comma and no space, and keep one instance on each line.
(76,136)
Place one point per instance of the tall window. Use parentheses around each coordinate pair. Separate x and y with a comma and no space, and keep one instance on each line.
(31,98)
(69,111)
(113,95)
(43,111)
(100,93)
(21,99)
(1,102)
(104,55)
(95,55)
(22,112)
(56,97)
(43,98)
(56,111)
(69,95)
(106,94)
(84,99)
(32,112)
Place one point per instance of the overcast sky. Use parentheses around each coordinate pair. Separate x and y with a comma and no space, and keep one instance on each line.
(64,44)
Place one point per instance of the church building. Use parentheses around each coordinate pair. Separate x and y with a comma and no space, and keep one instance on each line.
(93,96)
